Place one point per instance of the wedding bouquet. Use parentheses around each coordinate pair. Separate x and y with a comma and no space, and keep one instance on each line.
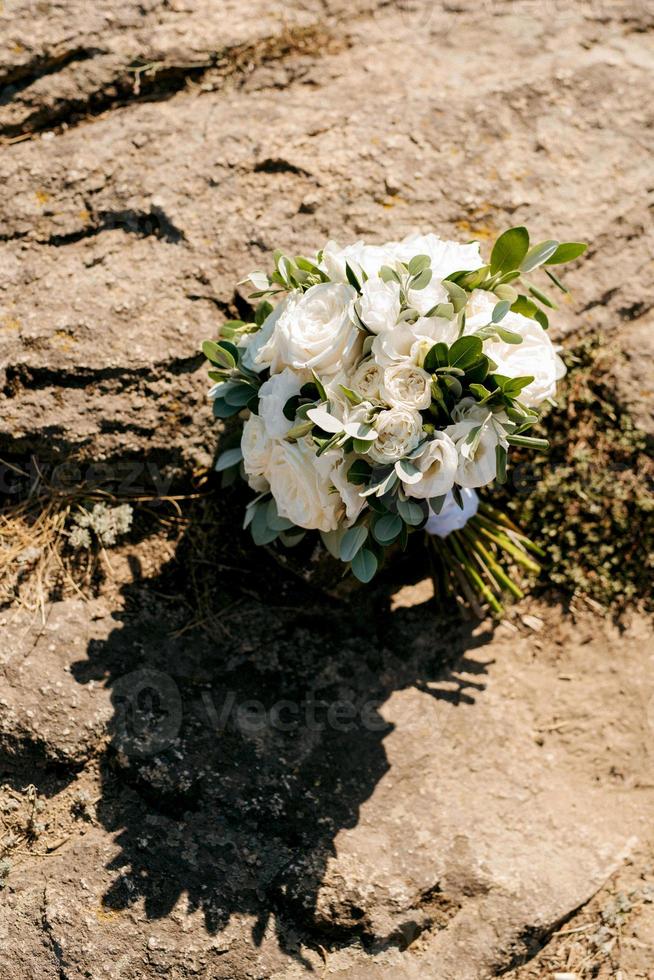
(387,385)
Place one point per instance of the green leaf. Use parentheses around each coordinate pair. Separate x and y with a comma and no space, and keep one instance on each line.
(352,542)
(351,396)
(361,446)
(360,431)
(541,317)
(359,472)
(386,528)
(411,512)
(458,296)
(443,310)
(319,385)
(543,297)
(408,472)
(351,277)
(273,519)
(386,274)
(465,352)
(239,394)
(422,280)
(438,356)
(555,279)
(364,565)
(506,292)
(324,420)
(229,458)
(222,410)
(262,312)
(525,307)
(478,371)
(500,456)
(480,391)
(509,250)
(566,252)
(538,255)
(508,336)
(261,532)
(418,264)
(500,310)
(436,504)
(528,442)
(299,430)
(513,386)
(223,353)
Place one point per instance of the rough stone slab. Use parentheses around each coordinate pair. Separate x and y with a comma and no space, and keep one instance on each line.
(448,835)
(45,714)
(125,235)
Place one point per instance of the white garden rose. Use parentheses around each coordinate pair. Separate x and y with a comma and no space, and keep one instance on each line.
(476,433)
(273,395)
(437,462)
(359,256)
(399,430)
(446,258)
(253,342)
(315,331)
(412,341)
(349,492)
(367,380)
(536,356)
(406,386)
(256,446)
(301,484)
(380,304)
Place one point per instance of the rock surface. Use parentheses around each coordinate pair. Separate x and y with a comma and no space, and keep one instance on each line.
(289,787)
(127,223)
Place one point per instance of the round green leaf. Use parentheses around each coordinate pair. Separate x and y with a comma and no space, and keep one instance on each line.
(509,250)
(385,529)
(364,565)
(352,542)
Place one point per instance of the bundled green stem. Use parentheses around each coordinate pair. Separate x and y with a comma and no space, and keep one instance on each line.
(479,560)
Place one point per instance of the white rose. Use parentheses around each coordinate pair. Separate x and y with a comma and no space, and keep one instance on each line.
(437,462)
(315,331)
(412,341)
(446,258)
(256,446)
(399,430)
(406,386)
(301,484)
(367,380)
(349,492)
(359,256)
(273,395)
(253,342)
(535,356)
(380,305)
(477,462)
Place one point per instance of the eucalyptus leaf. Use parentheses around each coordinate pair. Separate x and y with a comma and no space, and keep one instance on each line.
(458,296)
(422,280)
(364,565)
(509,250)
(543,297)
(229,458)
(353,540)
(500,310)
(324,420)
(410,511)
(418,264)
(408,472)
(538,255)
(386,528)
(566,252)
